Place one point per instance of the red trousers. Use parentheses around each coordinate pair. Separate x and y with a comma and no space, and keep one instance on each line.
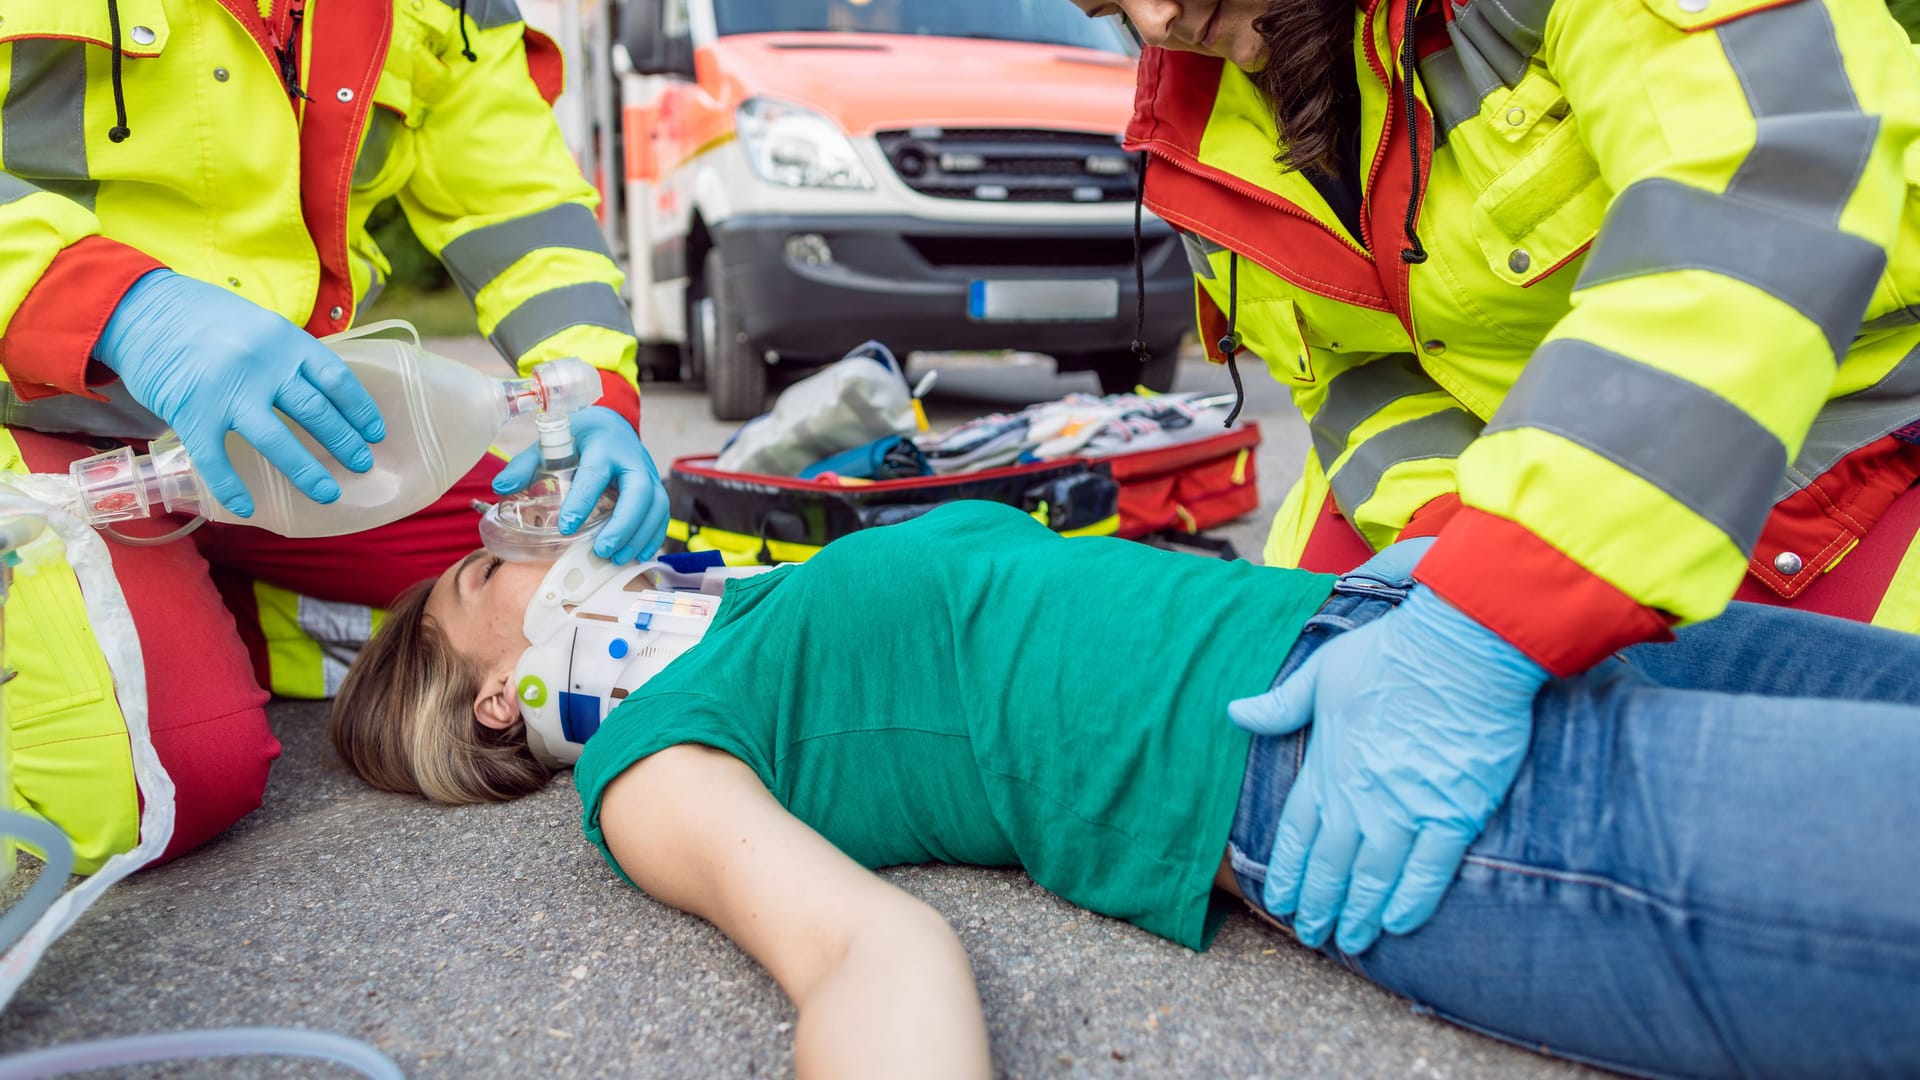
(205,704)
(1852,590)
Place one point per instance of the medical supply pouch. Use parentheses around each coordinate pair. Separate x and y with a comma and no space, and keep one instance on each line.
(1188,486)
(754,519)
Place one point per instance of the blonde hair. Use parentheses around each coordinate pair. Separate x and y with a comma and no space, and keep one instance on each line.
(403,719)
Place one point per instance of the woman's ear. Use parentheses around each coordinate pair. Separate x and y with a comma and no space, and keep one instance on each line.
(495,706)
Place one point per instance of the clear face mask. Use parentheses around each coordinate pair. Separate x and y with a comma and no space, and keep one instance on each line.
(598,632)
(525,526)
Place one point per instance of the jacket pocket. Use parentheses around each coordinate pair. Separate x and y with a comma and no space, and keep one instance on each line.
(1539,215)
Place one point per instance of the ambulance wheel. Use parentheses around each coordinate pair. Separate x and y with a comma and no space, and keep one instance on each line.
(1120,372)
(736,376)
(693,358)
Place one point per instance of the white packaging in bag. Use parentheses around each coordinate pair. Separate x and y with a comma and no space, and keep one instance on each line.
(859,398)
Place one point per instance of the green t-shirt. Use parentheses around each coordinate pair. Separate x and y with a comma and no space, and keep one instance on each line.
(969,687)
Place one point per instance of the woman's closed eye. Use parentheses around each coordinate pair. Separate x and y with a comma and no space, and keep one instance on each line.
(493,563)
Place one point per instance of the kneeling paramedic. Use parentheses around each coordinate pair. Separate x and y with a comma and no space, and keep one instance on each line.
(184,192)
(1611,302)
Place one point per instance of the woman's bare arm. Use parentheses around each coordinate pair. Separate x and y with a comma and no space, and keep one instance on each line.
(881,983)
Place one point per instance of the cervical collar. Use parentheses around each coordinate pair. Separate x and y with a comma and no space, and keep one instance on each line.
(600,631)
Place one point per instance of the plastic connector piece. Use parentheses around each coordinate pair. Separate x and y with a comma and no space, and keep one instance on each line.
(567,385)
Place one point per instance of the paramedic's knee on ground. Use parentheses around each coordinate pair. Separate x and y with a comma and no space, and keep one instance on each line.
(71,758)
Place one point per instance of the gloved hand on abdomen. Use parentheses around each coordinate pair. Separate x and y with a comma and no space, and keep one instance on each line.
(1420,721)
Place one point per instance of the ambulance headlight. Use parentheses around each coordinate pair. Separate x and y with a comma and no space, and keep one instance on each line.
(798,147)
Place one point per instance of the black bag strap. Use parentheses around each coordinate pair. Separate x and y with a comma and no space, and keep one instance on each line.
(1219,546)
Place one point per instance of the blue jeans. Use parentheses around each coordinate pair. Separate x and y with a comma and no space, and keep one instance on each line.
(1709,864)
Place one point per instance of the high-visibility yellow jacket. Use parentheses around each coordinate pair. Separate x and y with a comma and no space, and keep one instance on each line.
(1665,330)
(245,142)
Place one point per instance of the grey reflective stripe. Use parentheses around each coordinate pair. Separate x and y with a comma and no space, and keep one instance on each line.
(382,128)
(119,416)
(1789,61)
(1475,31)
(487,14)
(484,254)
(375,283)
(1522,24)
(43,123)
(1359,392)
(1443,434)
(1682,438)
(1848,423)
(1776,227)
(1196,246)
(1807,165)
(1812,141)
(1451,90)
(1492,42)
(1659,225)
(340,629)
(1893,320)
(13,188)
(541,317)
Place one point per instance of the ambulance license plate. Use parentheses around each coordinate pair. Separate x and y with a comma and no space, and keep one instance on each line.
(1046,300)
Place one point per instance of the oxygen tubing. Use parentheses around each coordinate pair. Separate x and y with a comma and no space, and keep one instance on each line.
(57,851)
(180,533)
(218,1042)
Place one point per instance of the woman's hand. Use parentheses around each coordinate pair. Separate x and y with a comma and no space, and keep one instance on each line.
(610,452)
(881,983)
(1421,719)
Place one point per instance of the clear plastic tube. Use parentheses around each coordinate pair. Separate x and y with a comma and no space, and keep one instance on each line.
(57,851)
(180,533)
(189,1045)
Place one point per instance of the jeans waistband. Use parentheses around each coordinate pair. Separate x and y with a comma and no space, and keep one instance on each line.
(1274,760)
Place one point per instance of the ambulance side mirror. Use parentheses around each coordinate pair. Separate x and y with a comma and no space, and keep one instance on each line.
(651,50)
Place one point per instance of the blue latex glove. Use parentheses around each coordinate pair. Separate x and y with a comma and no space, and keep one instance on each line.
(1420,721)
(610,451)
(1396,561)
(208,362)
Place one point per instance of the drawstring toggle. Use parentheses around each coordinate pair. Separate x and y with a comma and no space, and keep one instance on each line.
(119,131)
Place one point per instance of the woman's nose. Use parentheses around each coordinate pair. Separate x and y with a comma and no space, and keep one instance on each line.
(1153,20)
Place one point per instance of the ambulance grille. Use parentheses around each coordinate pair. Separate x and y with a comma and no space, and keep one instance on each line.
(1011,164)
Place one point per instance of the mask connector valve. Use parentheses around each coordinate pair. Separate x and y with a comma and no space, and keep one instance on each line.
(525,526)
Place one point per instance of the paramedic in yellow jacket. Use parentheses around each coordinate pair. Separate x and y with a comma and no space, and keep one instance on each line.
(1613,302)
(184,190)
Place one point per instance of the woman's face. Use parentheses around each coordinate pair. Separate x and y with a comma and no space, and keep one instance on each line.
(480,604)
(1222,28)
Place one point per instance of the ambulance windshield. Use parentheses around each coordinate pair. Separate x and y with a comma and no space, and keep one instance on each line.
(1045,22)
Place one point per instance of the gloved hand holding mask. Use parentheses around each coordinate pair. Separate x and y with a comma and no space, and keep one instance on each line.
(610,453)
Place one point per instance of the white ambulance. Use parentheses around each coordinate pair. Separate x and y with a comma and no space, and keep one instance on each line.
(788,178)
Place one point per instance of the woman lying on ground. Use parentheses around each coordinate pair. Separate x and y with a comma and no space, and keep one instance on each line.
(1704,868)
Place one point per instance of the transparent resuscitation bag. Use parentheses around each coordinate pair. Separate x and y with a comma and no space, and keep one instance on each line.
(441,417)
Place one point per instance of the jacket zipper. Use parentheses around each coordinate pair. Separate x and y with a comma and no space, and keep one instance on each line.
(287,52)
